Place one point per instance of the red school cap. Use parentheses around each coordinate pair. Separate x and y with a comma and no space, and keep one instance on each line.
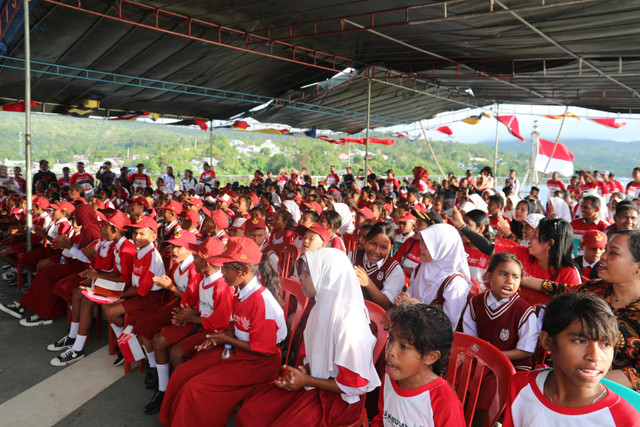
(144,222)
(183,238)
(254,223)
(208,249)
(238,249)
(172,205)
(315,228)
(367,213)
(594,239)
(64,206)
(117,218)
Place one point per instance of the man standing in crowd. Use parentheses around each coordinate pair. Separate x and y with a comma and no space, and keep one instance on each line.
(105,176)
(44,174)
(139,180)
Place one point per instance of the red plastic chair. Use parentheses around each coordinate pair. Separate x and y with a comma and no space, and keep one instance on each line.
(350,241)
(469,361)
(288,254)
(505,242)
(378,317)
(292,294)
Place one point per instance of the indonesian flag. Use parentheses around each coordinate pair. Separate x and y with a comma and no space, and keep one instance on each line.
(445,129)
(511,122)
(609,122)
(562,161)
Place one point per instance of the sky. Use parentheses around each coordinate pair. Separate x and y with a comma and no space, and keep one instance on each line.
(526,115)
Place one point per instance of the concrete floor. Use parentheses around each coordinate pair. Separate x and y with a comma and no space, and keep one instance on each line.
(32,392)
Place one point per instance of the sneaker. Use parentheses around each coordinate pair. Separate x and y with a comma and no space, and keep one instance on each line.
(12,282)
(119,358)
(151,379)
(67,358)
(6,267)
(153,407)
(9,274)
(13,309)
(63,343)
(35,320)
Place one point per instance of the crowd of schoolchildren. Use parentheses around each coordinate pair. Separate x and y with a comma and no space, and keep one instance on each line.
(202,290)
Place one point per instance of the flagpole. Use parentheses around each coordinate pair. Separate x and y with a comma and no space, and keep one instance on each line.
(495,151)
(534,151)
(27,121)
(564,116)
(211,143)
(366,141)
(431,149)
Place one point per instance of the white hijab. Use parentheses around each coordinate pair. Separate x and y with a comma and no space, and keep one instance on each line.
(337,331)
(293,209)
(561,208)
(448,257)
(476,199)
(514,201)
(347,226)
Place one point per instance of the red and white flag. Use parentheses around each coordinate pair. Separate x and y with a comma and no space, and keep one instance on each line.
(511,122)
(445,129)
(561,162)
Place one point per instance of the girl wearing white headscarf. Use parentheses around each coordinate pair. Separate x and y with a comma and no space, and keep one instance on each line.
(346,227)
(338,345)
(478,202)
(443,278)
(293,208)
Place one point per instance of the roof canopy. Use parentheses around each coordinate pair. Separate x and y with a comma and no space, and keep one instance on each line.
(219,59)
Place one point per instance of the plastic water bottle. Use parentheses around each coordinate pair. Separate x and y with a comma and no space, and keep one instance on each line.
(227,352)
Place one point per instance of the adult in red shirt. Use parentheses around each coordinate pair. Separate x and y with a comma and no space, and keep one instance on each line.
(614,184)
(333,178)
(81,177)
(139,180)
(554,184)
(21,183)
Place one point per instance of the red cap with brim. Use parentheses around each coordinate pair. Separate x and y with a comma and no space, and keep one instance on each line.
(406,217)
(182,238)
(41,202)
(238,249)
(210,248)
(315,228)
(367,213)
(172,205)
(254,223)
(220,218)
(195,201)
(144,222)
(64,206)
(192,216)
(594,239)
(140,200)
(118,219)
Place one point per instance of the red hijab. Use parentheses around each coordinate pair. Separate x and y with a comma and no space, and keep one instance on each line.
(87,217)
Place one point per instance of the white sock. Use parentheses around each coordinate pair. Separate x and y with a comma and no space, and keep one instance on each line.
(117,329)
(163,376)
(73,330)
(79,344)
(151,356)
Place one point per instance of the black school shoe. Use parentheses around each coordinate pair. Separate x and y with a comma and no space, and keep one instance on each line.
(154,406)
(119,358)
(14,309)
(151,379)
(67,358)
(63,343)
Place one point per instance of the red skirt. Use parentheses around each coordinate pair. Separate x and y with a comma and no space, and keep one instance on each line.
(277,407)
(152,319)
(32,257)
(40,297)
(206,390)
(64,288)
(135,307)
(186,336)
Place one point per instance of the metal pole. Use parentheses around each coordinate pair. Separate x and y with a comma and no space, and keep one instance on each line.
(431,149)
(27,119)
(211,143)
(366,141)
(495,152)
(535,135)
(564,116)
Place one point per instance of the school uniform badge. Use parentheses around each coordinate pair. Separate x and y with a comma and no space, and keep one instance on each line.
(504,334)
(380,275)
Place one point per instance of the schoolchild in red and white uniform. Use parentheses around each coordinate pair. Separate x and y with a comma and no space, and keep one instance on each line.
(571,393)
(144,292)
(379,274)
(182,282)
(207,179)
(65,180)
(109,258)
(282,228)
(338,350)
(415,394)
(590,209)
(391,183)
(406,225)
(331,221)
(258,326)
(444,279)
(192,323)
(257,178)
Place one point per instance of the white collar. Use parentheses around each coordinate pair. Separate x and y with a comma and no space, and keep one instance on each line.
(493,303)
(586,264)
(367,263)
(253,285)
(185,263)
(120,242)
(143,251)
(210,279)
